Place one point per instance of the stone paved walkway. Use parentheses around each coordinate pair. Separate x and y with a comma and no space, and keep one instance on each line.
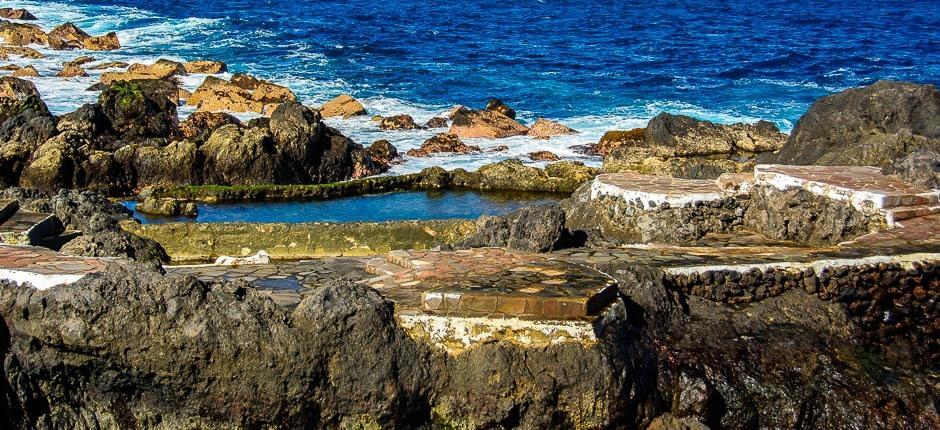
(653,190)
(491,282)
(43,267)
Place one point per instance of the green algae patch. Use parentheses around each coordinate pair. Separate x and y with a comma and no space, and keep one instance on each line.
(192,242)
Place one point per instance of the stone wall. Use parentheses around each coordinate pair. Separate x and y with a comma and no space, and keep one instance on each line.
(894,304)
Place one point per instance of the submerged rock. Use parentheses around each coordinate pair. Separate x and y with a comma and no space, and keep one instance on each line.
(343,105)
(20,51)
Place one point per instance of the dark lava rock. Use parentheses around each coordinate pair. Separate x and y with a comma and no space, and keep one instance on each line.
(436,122)
(399,122)
(535,228)
(876,125)
(25,124)
(200,125)
(497,105)
(383,151)
(141,109)
(920,167)
(443,142)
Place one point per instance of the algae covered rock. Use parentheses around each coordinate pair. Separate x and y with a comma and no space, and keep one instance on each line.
(512,174)
(167,207)
(543,156)
(141,109)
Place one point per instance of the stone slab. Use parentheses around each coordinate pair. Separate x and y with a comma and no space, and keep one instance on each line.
(44,268)
(652,190)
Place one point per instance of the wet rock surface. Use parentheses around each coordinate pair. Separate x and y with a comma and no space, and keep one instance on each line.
(443,143)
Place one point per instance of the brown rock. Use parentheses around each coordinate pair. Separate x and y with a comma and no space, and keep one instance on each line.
(72,71)
(498,148)
(108,42)
(543,156)
(28,71)
(544,129)
(436,122)
(67,36)
(443,142)
(399,122)
(10,67)
(79,61)
(468,123)
(20,51)
(19,89)
(615,138)
(162,69)
(497,105)
(110,65)
(22,34)
(343,105)
(242,94)
(205,67)
(200,125)
(21,14)
(383,151)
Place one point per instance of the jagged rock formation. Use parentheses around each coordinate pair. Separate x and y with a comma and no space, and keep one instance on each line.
(878,125)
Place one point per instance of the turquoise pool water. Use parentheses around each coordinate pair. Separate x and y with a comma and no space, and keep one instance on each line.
(412,205)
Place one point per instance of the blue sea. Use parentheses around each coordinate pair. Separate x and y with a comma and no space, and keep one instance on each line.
(594,66)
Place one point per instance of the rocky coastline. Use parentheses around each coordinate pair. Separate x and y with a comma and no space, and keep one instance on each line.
(707,276)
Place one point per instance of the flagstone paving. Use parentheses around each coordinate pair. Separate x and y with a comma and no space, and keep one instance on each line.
(44,268)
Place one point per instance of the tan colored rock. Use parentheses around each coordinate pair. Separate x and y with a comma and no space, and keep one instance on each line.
(78,61)
(72,71)
(544,129)
(70,33)
(244,94)
(21,14)
(443,142)
(10,67)
(207,67)
(162,69)
(28,71)
(343,105)
(436,122)
(399,122)
(468,123)
(110,65)
(108,42)
(543,156)
(15,88)
(22,34)
(616,138)
(20,51)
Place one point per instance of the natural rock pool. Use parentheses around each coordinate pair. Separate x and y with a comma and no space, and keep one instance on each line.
(409,205)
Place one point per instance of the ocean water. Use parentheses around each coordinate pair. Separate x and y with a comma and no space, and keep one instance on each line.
(409,205)
(594,66)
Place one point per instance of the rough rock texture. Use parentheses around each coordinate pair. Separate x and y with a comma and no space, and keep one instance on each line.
(468,123)
(563,176)
(343,105)
(920,167)
(497,105)
(205,66)
(399,122)
(19,51)
(25,72)
(543,156)
(242,93)
(436,122)
(804,217)
(615,219)
(11,13)
(678,145)
(72,71)
(536,229)
(383,151)
(544,129)
(878,125)
(443,142)
(200,125)
(99,221)
(25,124)
(167,207)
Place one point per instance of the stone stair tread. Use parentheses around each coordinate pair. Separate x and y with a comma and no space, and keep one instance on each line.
(901,213)
(22,221)
(8,207)
(380,267)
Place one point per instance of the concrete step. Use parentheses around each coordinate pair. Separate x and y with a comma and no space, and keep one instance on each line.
(30,228)
(401,259)
(902,213)
(8,207)
(381,267)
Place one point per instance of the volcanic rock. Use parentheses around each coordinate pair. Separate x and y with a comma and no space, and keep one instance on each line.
(26,72)
(200,125)
(161,69)
(343,105)
(543,156)
(242,94)
(497,105)
(436,122)
(614,139)
(544,129)
(443,142)
(383,151)
(399,122)
(467,123)
(167,207)
(141,109)
(205,67)
(19,34)
(72,71)
(21,14)
(533,229)
(20,51)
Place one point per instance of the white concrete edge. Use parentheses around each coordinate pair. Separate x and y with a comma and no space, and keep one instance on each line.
(470,331)
(599,189)
(906,261)
(37,280)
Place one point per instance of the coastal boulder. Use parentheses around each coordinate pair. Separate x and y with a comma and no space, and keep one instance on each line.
(21,14)
(443,142)
(399,122)
(497,105)
(383,151)
(72,71)
(19,34)
(544,129)
(877,125)
(436,122)
(468,123)
(512,174)
(167,207)
(107,42)
(208,67)
(26,72)
(614,139)
(200,125)
(20,51)
(533,229)
(141,109)
(240,156)
(70,35)
(543,156)
(161,69)
(343,105)
(25,124)
(243,93)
